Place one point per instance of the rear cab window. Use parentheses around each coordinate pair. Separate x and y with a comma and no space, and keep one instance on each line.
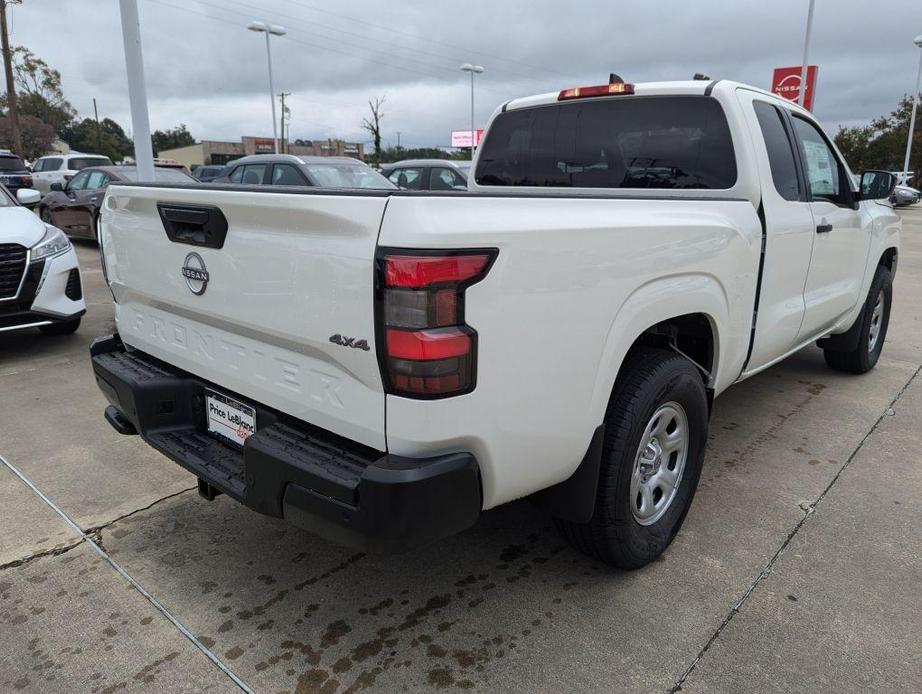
(780,150)
(662,142)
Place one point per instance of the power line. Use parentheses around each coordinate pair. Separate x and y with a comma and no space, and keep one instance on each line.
(374,60)
(364,37)
(422,38)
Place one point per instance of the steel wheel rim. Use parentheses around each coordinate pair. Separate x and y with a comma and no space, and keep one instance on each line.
(659,463)
(877,318)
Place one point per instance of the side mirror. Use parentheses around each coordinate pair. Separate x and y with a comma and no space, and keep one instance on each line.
(57,186)
(876,185)
(28,197)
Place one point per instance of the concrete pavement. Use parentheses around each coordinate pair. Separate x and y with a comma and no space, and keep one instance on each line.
(796,569)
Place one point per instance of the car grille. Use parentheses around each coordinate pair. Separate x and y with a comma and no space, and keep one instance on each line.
(12,267)
(73,290)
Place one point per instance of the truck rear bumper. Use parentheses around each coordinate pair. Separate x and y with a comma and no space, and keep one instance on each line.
(339,489)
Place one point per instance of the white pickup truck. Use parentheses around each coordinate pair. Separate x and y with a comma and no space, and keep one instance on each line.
(381,366)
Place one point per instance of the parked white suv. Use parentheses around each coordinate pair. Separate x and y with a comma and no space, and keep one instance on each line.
(381,366)
(40,283)
(59,168)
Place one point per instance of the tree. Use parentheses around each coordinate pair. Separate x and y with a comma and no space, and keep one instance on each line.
(171,139)
(37,137)
(39,92)
(107,138)
(373,126)
(882,143)
(393,154)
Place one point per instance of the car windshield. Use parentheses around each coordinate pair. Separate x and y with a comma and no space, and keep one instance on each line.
(160,175)
(11,164)
(347,176)
(78,163)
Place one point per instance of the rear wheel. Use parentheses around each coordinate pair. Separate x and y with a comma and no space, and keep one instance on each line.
(655,435)
(61,328)
(873,321)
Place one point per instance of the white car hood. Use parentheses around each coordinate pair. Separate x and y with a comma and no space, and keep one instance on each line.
(19,225)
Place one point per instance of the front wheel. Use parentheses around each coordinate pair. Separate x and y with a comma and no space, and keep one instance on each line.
(873,321)
(44,214)
(655,435)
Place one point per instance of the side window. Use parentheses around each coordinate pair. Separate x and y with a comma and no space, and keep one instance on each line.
(287,175)
(253,174)
(444,179)
(236,175)
(96,180)
(78,182)
(824,174)
(780,150)
(410,179)
(49,164)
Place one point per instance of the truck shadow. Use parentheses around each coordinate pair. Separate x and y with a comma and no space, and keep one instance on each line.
(290,611)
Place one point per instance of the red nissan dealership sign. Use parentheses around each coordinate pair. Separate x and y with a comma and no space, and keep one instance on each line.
(786,83)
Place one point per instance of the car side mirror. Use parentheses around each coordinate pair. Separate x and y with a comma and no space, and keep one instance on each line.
(876,185)
(57,187)
(28,197)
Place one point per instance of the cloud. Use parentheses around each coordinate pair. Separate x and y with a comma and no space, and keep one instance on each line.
(205,69)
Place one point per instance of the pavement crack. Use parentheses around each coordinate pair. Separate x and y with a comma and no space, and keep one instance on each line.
(808,511)
(53,552)
(96,529)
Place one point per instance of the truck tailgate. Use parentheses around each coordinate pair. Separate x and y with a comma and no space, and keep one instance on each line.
(293,271)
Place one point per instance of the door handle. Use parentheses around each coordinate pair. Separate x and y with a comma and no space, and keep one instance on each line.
(823,228)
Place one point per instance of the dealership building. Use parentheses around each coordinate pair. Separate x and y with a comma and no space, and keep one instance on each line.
(215,152)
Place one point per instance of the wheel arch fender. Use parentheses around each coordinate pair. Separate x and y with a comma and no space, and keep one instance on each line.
(657,302)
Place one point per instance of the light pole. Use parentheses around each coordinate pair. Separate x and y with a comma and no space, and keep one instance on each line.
(801,98)
(137,90)
(473,69)
(275,30)
(915,105)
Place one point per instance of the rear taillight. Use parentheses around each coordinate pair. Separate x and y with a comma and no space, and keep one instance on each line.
(425,348)
(26,181)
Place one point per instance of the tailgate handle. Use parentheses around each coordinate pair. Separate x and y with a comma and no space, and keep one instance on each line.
(195,225)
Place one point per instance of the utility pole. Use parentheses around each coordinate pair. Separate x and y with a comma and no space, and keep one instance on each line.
(98,132)
(8,68)
(398,140)
(283,144)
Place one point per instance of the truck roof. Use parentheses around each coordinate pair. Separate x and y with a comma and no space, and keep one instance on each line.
(690,87)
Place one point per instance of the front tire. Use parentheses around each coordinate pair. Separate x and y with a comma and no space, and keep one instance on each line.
(874,320)
(61,328)
(655,435)
(44,214)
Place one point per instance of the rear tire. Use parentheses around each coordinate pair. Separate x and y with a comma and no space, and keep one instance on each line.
(658,399)
(61,328)
(874,320)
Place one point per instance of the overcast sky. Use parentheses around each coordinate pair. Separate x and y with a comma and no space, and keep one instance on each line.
(205,69)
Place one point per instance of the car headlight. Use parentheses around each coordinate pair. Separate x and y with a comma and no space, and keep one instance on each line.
(53,243)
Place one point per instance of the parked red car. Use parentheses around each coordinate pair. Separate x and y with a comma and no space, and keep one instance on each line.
(74,208)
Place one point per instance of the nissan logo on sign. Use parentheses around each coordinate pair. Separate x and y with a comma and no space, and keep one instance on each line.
(196,274)
(786,83)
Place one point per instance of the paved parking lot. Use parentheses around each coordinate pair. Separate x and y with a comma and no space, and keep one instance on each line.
(798,568)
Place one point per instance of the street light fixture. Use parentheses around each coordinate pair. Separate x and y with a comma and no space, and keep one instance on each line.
(473,69)
(275,30)
(915,105)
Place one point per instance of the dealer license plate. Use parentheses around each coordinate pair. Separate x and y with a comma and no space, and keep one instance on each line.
(229,418)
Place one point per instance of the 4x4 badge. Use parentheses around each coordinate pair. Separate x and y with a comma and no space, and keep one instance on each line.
(338,339)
